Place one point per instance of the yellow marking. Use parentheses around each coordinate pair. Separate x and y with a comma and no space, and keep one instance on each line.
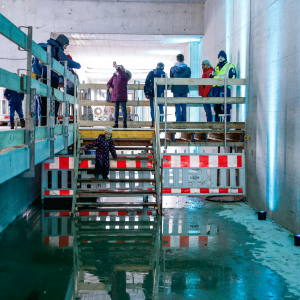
(119,134)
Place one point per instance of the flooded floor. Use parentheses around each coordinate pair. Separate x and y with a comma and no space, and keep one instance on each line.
(197,250)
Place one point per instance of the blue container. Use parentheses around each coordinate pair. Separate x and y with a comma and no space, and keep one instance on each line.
(262,215)
(90,152)
(297,239)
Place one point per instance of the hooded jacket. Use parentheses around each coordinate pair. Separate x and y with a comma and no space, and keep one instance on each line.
(149,83)
(57,53)
(180,70)
(13,97)
(119,85)
(204,89)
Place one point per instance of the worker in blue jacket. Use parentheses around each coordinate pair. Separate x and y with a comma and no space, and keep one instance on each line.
(15,104)
(180,70)
(149,90)
(58,47)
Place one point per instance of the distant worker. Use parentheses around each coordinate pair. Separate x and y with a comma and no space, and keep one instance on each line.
(149,90)
(117,86)
(222,69)
(180,70)
(57,51)
(105,145)
(204,89)
(15,104)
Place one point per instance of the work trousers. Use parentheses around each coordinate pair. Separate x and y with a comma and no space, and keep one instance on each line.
(18,108)
(101,169)
(180,109)
(161,110)
(207,108)
(124,110)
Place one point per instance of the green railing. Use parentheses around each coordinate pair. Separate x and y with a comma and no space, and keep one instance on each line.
(31,87)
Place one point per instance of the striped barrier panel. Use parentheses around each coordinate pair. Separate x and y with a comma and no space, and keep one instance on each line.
(59,241)
(58,177)
(185,241)
(204,174)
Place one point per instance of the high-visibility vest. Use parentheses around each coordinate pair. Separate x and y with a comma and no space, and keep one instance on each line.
(224,71)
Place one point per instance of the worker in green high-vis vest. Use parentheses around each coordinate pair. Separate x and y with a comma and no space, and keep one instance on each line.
(222,69)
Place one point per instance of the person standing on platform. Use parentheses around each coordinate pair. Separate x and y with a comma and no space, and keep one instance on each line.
(204,89)
(180,70)
(149,90)
(15,104)
(117,86)
(105,145)
(58,47)
(222,69)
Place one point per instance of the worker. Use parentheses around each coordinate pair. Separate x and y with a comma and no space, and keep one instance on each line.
(180,70)
(149,90)
(222,69)
(70,84)
(15,104)
(204,89)
(58,47)
(105,145)
(117,86)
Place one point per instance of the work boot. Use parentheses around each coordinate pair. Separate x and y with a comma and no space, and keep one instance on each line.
(12,126)
(125,125)
(105,177)
(152,125)
(116,125)
(22,123)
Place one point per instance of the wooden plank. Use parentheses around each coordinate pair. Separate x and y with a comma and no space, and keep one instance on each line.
(10,80)
(201,81)
(203,125)
(103,86)
(40,88)
(132,124)
(104,103)
(11,138)
(40,132)
(118,133)
(201,100)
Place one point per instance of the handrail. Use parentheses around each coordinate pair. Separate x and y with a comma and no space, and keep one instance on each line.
(202,81)
(103,86)
(200,100)
(17,36)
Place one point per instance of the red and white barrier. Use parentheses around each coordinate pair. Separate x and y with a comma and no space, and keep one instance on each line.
(61,163)
(202,161)
(58,192)
(173,241)
(120,164)
(202,191)
(59,241)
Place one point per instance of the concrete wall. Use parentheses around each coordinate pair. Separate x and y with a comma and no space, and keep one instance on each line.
(58,16)
(16,195)
(262,39)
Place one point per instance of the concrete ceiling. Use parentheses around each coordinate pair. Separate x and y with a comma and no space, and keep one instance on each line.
(138,53)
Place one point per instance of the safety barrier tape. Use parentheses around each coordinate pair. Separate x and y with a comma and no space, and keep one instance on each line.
(202,161)
(121,164)
(59,241)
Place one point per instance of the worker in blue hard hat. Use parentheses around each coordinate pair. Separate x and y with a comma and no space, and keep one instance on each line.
(222,69)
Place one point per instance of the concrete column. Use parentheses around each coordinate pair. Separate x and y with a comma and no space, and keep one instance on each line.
(194,112)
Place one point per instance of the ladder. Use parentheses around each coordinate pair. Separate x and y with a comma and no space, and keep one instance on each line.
(133,175)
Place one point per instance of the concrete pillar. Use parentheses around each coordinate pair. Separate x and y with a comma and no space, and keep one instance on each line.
(194,112)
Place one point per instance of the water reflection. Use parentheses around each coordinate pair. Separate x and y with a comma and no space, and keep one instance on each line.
(183,255)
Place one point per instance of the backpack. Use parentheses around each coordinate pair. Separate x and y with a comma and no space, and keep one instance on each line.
(149,85)
(39,69)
